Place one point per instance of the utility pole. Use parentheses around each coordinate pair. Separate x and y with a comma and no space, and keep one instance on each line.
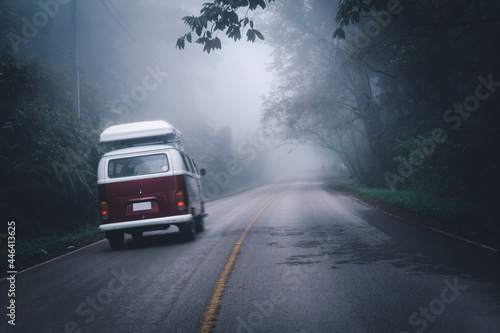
(76,65)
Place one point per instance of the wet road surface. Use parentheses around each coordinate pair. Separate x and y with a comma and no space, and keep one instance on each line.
(313,260)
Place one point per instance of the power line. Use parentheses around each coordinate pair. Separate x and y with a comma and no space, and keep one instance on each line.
(129,30)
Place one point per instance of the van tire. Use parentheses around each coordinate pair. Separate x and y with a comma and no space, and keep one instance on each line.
(199,223)
(188,230)
(115,240)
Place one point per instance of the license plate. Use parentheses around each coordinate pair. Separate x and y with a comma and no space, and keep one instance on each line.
(138,206)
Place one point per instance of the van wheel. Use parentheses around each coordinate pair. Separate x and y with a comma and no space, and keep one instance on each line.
(200,223)
(188,230)
(137,236)
(115,240)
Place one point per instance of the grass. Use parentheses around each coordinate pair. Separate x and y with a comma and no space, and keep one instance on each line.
(470,220)
(417,202)
(31,249)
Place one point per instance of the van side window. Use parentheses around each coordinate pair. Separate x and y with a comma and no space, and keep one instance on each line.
(190,161)
(114,168)
(137,165)
(195,167)
(186,164)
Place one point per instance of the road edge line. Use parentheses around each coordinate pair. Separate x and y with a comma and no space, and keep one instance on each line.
(486,247)
(54,259)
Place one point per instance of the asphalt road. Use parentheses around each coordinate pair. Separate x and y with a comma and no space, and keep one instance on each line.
(313,260)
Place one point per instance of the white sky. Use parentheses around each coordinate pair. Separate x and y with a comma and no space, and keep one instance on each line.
(239,80)
(227,85)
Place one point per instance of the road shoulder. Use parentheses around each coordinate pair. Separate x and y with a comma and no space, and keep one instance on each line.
(459,229)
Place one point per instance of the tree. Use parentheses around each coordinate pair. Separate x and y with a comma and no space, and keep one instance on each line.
(221,15)
(313,101)
(405,68)
(48,161)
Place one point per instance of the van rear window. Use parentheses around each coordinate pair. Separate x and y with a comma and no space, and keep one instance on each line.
(137,165)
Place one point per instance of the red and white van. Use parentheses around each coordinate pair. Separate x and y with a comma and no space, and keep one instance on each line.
(147,182)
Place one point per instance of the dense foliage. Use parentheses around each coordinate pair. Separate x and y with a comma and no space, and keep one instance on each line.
(406,93)
(48,160)
(405,84)
(221,16)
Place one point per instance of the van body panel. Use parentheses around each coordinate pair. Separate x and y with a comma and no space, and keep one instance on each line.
(121,197)
(177,163)
(145,187)
(149,196)
(136,225)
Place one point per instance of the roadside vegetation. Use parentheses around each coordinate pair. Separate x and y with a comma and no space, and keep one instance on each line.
(454,215)
(46,247)
(410,108)
(414,201)
(393,89)
(49,159)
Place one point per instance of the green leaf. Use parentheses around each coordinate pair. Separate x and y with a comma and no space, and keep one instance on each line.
(340,33)
(202,20)
(234,32)
(217,43)
(355,17)
(250,36)
(180,43)
(220,26)
(206,7)
(188,37)
(261,37)
(254,3)
(233,17)
(207,47)
(237,34)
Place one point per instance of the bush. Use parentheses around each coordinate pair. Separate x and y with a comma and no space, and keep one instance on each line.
(48,160)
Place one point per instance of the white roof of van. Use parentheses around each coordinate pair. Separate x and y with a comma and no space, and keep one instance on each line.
(137,130)
(134,150)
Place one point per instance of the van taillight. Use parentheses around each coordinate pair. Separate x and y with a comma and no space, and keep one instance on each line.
(180,200)
(104,210)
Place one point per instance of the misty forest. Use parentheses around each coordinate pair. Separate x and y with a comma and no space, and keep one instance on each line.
(396,95)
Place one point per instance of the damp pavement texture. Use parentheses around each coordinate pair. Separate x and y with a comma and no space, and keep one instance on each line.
(314,260)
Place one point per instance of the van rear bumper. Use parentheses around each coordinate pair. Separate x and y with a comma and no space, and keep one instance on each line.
(147,223)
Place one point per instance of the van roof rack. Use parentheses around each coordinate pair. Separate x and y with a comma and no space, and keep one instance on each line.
(141,134)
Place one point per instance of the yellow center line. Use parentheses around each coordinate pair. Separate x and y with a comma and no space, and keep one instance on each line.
(211,310)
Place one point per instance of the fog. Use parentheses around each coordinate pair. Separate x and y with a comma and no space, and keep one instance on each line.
(391,103)
(224,89)
(308,99)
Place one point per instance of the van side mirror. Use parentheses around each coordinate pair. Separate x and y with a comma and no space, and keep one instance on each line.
(203,172)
